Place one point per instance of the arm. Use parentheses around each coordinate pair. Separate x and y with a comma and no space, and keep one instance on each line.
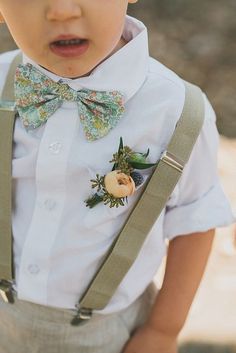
(186,262)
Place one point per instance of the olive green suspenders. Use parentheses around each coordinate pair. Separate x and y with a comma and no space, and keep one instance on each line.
(7,120)
(128,243)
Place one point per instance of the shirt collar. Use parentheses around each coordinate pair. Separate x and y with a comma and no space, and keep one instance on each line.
(130,63)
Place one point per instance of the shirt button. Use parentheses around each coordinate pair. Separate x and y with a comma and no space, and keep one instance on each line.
(33,269)
(55,147)
(49,204)
(64,80)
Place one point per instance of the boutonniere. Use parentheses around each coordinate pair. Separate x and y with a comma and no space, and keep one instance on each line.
(122,181)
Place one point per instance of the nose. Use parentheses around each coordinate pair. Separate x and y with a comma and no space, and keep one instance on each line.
(63,10)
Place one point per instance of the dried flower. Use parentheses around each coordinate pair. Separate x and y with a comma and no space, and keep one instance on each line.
(119,184)
(114,188)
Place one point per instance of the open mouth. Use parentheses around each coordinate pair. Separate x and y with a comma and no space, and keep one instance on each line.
(69,42)
(69,47)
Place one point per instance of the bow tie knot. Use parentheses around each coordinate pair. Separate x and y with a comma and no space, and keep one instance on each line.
(38,97)
(65,93)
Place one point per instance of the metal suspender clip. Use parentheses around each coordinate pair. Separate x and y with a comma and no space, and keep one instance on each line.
(81,317)
(9,106)
(6,291)
(172,161)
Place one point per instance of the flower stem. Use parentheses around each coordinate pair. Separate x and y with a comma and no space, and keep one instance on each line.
(94,200)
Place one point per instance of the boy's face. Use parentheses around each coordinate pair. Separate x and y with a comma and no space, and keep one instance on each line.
(40,28)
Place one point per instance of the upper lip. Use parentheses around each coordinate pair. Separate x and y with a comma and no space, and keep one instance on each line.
(66,37)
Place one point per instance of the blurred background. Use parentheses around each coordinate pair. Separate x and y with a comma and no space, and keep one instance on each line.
(197,39)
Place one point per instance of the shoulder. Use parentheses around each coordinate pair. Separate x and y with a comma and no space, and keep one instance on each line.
(160,101)
(163,93)
(157,69)
(169,90)
(162,98)
(161,77)
(5,62)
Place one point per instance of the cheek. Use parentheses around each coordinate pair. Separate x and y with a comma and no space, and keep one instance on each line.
(21,20)
(26,35)
(111,21)
(110,33)
(1,18)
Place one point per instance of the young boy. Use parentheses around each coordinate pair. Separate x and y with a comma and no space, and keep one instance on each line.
(59,243)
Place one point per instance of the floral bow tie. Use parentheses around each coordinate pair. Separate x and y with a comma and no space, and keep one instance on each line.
(38,97)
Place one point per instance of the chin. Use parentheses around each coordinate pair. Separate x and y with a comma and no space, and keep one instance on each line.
(71,72)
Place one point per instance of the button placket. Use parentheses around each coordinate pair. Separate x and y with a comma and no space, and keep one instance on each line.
(50,178)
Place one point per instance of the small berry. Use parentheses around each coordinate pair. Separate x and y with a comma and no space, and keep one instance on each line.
(137,178)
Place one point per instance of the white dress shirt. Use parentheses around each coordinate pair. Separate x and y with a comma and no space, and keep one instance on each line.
(59,243)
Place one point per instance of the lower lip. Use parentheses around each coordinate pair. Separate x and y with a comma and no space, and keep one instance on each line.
(69,51)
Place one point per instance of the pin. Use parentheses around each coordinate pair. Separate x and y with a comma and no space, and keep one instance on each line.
(82,317)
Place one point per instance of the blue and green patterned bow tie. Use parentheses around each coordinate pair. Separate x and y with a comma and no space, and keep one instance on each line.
(38,97)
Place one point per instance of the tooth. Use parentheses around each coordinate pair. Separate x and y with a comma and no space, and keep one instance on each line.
(70,41)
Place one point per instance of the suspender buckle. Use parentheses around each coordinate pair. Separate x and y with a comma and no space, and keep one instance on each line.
(7,106)
(172,161)
(6,291)
(82,316)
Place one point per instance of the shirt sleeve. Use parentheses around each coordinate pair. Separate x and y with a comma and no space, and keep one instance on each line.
(198,202)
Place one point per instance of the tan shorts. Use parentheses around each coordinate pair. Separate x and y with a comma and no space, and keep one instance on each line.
(31,328)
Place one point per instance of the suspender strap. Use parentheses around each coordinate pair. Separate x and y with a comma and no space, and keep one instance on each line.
(126,247)
(7,119)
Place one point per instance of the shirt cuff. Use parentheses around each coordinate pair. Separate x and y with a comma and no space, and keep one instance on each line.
(212,210)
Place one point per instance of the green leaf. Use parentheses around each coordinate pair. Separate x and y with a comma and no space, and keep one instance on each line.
(137,165)
(145,155)
(121,146)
